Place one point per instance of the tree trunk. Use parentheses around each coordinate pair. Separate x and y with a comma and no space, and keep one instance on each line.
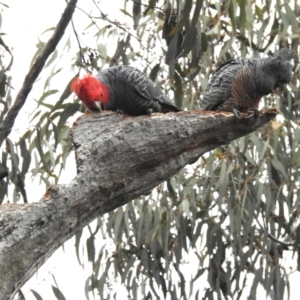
(118,159)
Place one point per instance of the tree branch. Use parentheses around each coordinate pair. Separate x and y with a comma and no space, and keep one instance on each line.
(35,70)
(118,158)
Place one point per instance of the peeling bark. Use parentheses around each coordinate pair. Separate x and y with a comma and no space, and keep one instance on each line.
(118,158)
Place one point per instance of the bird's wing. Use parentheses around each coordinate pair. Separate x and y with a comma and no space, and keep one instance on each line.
(143,85)
(219,87)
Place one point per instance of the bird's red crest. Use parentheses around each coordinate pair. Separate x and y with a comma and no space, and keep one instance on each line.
(89,89)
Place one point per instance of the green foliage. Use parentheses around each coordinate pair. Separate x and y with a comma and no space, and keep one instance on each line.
(36,295)
(217,225)
(222,212)
(232,216)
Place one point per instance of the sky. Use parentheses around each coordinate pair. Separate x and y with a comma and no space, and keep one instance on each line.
(22,25)
(23,37)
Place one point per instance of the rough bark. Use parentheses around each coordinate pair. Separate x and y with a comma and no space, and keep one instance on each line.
(119,158)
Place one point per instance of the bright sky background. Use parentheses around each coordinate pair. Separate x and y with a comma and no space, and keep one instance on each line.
(23,23)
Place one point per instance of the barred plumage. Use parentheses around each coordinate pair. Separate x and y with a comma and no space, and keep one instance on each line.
(239,84)
(123,89)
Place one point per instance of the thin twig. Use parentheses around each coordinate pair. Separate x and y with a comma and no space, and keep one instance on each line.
(271,236)
(120,26)
(78,42)
(280,242)
(35,70)
(159,10)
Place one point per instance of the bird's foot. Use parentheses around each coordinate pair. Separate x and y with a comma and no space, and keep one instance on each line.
(119,111)
(253,112)
(149,111)
(237,113)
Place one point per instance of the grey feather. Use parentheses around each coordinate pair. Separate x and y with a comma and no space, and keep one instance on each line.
(246,80)
(133,93)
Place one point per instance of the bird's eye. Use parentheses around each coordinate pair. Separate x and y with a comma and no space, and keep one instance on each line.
(278,77)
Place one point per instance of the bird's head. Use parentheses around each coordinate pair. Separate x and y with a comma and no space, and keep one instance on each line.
(90,90)
(277,74)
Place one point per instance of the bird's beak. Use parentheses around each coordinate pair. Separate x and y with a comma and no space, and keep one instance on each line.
(95,106)
(281,88)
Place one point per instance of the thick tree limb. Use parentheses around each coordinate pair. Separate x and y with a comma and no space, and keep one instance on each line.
(119,158)
(37,67)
